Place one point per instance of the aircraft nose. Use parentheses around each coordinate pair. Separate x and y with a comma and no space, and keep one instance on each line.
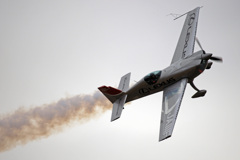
(206,56)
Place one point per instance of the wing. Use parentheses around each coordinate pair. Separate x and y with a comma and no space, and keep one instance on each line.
(172,97)
(185,46)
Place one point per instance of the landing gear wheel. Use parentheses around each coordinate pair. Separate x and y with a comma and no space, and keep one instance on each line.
(200,93)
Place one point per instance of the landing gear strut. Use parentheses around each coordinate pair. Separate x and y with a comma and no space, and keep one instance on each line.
(200,93)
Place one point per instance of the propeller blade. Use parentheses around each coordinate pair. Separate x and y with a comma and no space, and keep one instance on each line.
(199,44)
(216,58)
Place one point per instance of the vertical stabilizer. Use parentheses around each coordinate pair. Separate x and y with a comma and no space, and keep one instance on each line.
(124,83)
(119,103)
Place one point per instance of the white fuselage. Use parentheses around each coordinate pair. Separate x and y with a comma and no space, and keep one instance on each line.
(189,68)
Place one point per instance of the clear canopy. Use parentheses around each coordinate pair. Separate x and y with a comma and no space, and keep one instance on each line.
(152,77)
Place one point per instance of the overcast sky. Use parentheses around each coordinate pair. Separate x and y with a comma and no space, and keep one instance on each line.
(55,49)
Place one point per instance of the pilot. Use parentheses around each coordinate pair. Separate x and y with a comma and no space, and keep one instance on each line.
(153,78)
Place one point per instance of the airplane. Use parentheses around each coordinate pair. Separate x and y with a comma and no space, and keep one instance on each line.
(184,68)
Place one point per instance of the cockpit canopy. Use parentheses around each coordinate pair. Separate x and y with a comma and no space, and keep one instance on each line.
(152,77)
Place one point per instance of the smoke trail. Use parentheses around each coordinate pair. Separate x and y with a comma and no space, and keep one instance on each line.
(24,125)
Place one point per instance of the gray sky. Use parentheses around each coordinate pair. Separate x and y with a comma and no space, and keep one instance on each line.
(55,49)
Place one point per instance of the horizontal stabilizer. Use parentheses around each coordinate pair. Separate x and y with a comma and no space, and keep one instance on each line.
(124,83)
(118,107)
(119,103)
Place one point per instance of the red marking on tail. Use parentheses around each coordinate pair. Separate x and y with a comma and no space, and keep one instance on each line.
(109,90)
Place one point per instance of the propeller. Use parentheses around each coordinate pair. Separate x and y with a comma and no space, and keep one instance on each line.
(218,59)
(199,44)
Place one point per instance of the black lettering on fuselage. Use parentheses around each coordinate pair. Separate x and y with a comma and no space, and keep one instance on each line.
(144,91)
(156,86)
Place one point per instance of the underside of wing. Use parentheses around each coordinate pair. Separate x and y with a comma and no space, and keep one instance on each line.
(185,45)
(172,98)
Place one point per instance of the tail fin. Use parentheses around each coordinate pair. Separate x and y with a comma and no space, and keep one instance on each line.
(117,96)
(111,93)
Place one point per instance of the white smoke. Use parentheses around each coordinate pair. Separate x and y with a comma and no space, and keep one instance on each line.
(25,125)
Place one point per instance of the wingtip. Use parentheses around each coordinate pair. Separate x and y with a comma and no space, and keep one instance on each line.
(164,138)
(113,119)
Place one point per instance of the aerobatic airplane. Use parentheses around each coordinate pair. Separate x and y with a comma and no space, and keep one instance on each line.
(185,66)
